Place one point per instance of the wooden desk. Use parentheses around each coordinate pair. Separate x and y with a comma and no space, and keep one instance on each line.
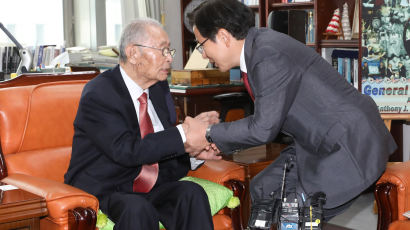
(388,117)
(253,160)
(21,210)
(191,101)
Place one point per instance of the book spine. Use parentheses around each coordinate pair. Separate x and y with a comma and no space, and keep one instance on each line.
(1,58)
(40,56)
(340,66)
(356,73)
(348,72)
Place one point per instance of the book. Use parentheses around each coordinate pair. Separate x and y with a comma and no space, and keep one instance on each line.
(347,70)
(40,56)
(356,73)
(1,58)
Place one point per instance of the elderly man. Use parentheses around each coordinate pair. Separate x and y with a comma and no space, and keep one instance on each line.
(126,151)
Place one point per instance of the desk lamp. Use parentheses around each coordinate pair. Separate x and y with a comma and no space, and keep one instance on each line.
(24,53)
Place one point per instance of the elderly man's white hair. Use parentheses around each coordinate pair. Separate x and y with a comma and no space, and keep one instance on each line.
(134,33)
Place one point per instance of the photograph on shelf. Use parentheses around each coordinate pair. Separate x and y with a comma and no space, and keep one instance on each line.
(385,54)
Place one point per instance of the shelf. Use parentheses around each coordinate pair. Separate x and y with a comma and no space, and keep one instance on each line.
(310,44)
(293,5)
(339,43)
(254,7)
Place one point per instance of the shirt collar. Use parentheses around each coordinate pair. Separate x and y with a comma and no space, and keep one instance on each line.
(134,89)
(242,60)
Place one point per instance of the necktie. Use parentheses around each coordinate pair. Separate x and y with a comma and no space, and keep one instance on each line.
(144,182)
(246,83)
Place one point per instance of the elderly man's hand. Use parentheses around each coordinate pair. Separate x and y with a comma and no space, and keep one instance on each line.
(195,135)
(211,117)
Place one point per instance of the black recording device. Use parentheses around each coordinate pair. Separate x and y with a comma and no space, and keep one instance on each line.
(313,215)
(287,213)
(289,210)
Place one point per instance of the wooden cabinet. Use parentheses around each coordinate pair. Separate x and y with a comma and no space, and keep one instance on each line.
(20,209)
(192,101)
(322,13)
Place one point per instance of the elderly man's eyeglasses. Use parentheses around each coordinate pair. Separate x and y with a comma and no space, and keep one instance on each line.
(165,51)
(200,46)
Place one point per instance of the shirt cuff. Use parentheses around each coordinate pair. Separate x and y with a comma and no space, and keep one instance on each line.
(195,164)
(182,133)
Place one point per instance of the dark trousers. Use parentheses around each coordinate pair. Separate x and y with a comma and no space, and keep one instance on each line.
(178,205)
(268,183)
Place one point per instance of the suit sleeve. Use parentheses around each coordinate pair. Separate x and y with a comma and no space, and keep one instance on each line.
(109,127)
(275,84)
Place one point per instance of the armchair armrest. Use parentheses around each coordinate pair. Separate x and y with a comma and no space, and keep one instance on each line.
(219,171)
(230,175)
(400,225)
(392,194)
(65,203)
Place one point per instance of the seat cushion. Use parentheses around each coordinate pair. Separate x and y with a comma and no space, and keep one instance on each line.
(50,163)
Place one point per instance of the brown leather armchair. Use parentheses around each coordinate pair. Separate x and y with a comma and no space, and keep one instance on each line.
(400,225)
(392,194)
(392,190)
(36,129)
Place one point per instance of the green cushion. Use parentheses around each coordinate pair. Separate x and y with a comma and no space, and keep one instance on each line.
(219,197)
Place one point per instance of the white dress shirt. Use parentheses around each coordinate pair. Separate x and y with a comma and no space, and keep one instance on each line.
(242,63)
(136,91)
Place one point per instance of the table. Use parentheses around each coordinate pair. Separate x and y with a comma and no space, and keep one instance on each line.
(21,209)
(254,160)
(193,100)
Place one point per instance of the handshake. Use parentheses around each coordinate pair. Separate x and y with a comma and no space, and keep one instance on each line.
(196,144)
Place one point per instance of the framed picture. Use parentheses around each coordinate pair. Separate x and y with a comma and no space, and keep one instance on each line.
(385,54)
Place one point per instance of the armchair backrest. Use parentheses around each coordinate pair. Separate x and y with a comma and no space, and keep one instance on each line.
(36,127)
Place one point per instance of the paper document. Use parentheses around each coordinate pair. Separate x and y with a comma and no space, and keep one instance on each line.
(196,61)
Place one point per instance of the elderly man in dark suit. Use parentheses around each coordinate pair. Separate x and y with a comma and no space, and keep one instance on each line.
(126,150)
(341,144)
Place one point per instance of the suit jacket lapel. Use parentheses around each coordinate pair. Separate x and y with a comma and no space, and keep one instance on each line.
(119,84)
(157,97)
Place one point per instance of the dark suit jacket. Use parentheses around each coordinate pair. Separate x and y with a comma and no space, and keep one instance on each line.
(341,142)
(108,150)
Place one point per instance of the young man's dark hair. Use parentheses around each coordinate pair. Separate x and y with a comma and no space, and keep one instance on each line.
(215,14)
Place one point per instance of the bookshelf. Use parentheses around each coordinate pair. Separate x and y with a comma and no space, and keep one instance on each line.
(322,13)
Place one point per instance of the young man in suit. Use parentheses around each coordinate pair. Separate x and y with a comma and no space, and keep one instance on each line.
(126,150)
(341,144)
